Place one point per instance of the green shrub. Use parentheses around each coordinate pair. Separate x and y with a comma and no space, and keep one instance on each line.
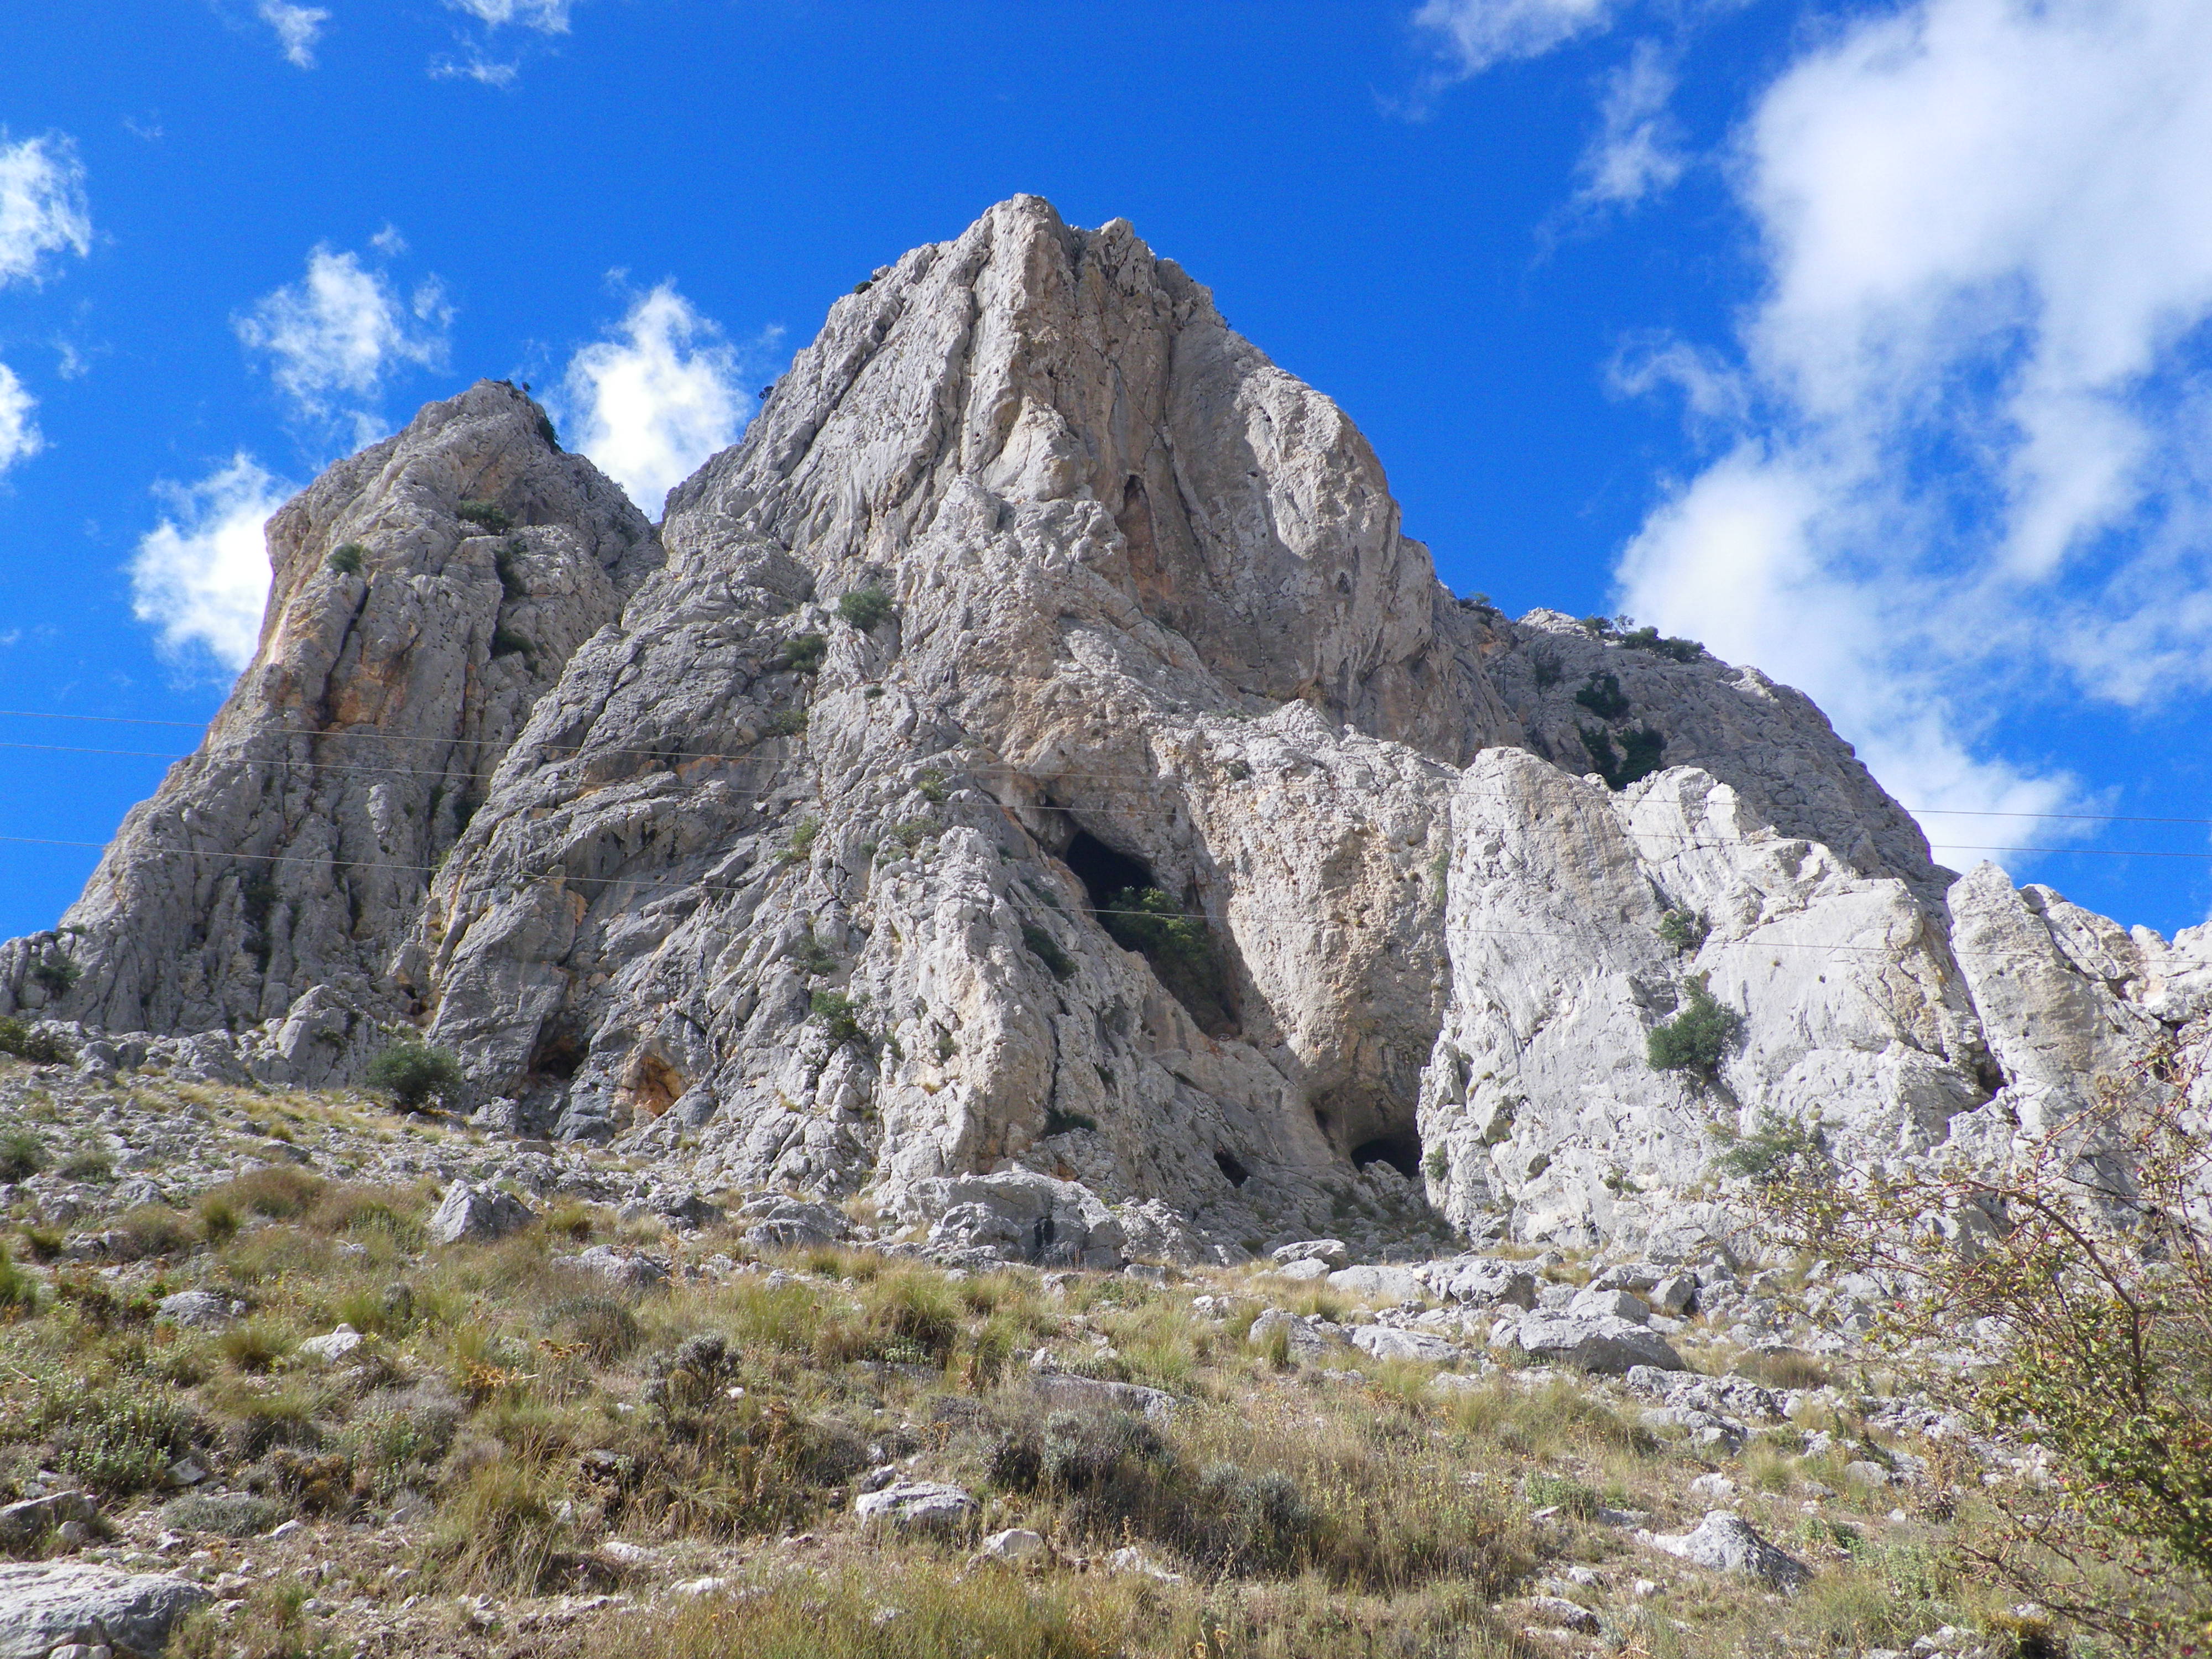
(1640,753)
(930,785)
(804,654)
(39,1047)
(812,955)
(228,1515)
(786,723)
(1780,1149)
(1046,949)
(487,515)
(507,643)
(19,1290)
(507,563)
(89,1165)
(801,847)
(1698,1035)
(1683,930)
(151,1230)
(1601,695)
(841,1018)
(1180,948)
(57,975)
(22,1155)
(1556,1491)
(348,560)
(1648,639)
(117,1438)
(1544,669)
(412,1072)
(865,608)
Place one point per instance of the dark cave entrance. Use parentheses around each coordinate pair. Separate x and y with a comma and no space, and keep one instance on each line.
(1400,1149)
(1103,871)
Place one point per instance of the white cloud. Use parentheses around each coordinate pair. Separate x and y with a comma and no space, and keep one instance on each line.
(1976,467)
(18,434)
(42,206)
(477,68)
(202,577)
(1477,34)
(546,17)
(1638,151)
(649,405)
(342,331)
(298,28)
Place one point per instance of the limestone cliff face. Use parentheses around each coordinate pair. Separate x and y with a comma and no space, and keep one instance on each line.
(293,849)
(1038,617)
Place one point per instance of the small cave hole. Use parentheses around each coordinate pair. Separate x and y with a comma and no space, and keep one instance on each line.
(1103,871)
(1402,1151)
(1232,1167)
(560,1053)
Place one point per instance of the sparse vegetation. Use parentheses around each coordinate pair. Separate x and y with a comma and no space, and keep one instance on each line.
(1601,695)
(1640,754)
(39,1048)
(1648,639)
(57,976)
(866,608)
(1683,932)
(1780,1149)
(507,563)
(1696,1039)
(1180,947)
(803,653)
(800,847)
(1046,949)
(412,1073)
(840,1015)
(488,516)
(348,559)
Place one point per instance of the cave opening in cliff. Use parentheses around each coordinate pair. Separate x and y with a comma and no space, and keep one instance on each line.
(1400,1149)
(1104,873)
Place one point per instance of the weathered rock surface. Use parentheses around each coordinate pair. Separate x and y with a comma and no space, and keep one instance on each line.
(1594,1342)
(473,1213)
(50,1604)
(916,1506)
(1037,617)
(1726,1542)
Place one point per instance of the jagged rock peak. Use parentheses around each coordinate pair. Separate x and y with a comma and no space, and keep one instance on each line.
(1042,771)
(423,594)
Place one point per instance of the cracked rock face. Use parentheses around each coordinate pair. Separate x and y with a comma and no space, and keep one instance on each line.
(1036,752)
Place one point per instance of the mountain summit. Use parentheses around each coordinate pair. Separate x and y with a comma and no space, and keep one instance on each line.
(1037,747)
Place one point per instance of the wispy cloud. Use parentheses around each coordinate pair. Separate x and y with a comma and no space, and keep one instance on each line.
(1972,465)
(1474,34)
(336,337)
(477,58)
(1637,153)
(19,432)
(546,17)
(299,29)
(43,209)
(201,575)
(655,399)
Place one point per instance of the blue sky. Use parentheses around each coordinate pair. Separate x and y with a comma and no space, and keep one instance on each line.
(1865,342)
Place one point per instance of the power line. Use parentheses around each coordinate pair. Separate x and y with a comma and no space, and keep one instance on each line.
(667,755)
(684,884)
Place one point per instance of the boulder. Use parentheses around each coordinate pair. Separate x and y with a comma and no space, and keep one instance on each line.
(1067,1389)
(1305,1340)
(1017,1215)
(25,1525)
(327,1350)
(1726,1542)
(1380,1286)
(1484,1281)
(1332,1251)
(1304,1271)
(1014,1544)
(781,1223)
(1386,1342)
(1595,1342)
(628,1270)
(52,1604)
(916,1506)
(198,1310)
(1615,1304)
(473,1214)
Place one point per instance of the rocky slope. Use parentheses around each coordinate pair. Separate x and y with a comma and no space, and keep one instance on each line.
(1036,745)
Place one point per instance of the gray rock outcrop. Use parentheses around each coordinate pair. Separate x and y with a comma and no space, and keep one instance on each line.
(1032,784)
(52,1604)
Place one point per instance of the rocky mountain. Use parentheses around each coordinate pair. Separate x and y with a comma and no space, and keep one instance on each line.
(1037,747)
